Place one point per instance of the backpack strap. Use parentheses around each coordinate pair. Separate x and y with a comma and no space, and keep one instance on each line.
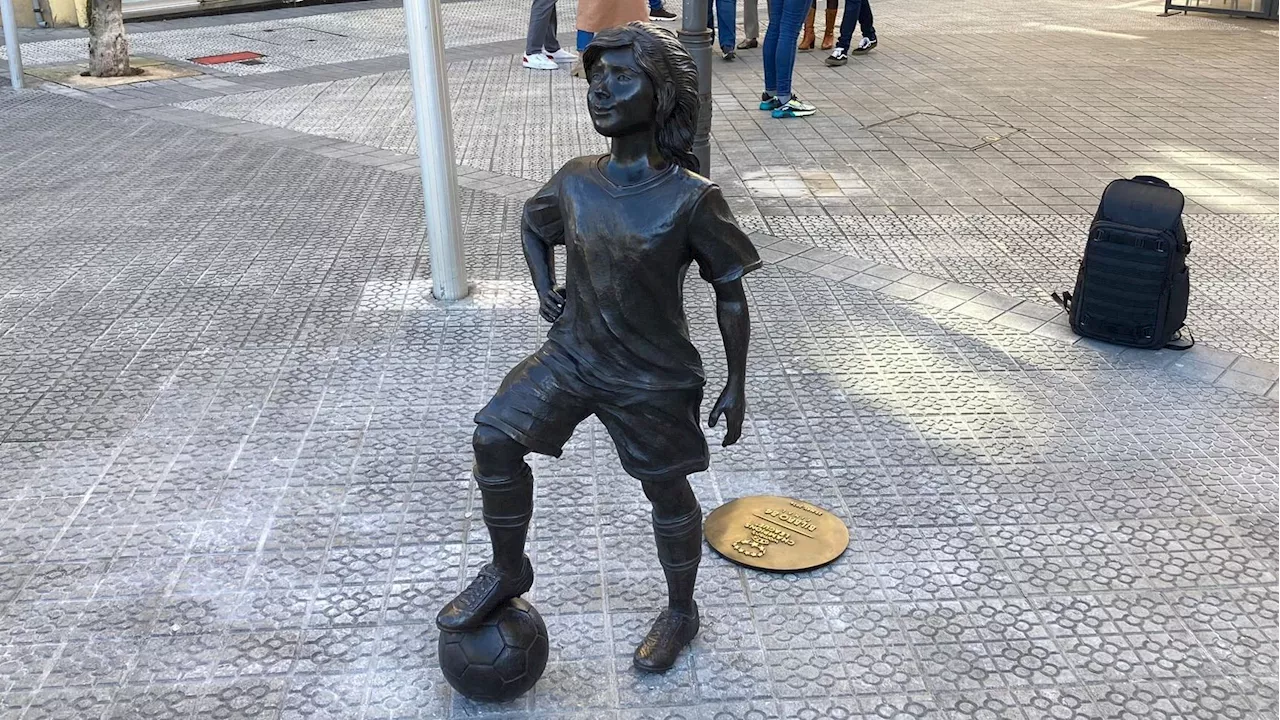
(1064,300)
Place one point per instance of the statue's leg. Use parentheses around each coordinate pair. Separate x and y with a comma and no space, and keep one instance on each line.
(677,528)
(506,489)
(535,409)
(660,443)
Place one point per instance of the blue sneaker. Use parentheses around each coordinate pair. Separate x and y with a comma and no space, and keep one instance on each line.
(793,109)
(769,102)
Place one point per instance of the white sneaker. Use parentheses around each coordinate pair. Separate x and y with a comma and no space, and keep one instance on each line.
(563,55)
(539,62)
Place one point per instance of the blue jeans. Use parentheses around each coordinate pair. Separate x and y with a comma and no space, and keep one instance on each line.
(856,12)
(655,4)
(785,19)
(726,34)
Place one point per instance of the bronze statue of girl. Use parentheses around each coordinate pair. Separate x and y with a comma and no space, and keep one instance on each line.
(632,222)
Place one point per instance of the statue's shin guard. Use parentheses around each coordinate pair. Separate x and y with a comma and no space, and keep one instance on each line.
(680,550)
(508,507)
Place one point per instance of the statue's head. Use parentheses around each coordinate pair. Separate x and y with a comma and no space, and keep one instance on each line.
(642,79)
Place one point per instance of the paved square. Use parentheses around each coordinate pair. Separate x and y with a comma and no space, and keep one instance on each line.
(234,425)
(234,475)
(974,161)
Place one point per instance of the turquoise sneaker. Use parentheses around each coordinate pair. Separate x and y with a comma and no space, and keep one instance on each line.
(793,109)
(769,102)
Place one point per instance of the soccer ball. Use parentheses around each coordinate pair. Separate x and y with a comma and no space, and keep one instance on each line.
(501,659)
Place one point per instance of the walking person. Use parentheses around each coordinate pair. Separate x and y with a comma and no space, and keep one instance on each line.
(785,19)
(808,39)
(856,12)
(542,50)
(726,33)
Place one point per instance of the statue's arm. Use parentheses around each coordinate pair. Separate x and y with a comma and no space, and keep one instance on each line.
(541,257)
(735,330)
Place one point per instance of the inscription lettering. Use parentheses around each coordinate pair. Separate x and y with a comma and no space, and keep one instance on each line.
(806,508)
(761,537)
(776,533)
(788,518)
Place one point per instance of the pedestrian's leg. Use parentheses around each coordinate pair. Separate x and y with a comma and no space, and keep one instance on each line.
(655,5)
(867,21)
(677,528)
(770,54)
(750,22)
(829,29)
(551,43)
(791,18)
(727,32)
(539,18)
(807,38)
(852,11)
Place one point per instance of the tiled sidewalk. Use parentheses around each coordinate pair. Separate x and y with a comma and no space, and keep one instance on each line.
(234,473)
(899,169)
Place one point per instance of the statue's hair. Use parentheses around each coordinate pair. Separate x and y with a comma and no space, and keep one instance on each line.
(674,78)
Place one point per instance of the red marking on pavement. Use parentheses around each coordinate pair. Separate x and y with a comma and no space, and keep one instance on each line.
(227,58)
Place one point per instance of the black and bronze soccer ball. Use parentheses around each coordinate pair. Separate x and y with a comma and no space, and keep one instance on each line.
(501,659)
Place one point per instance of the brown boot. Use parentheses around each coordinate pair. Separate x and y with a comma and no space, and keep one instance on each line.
(829,36)
(807,38)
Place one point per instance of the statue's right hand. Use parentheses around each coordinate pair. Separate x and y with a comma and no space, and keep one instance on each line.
(551,304)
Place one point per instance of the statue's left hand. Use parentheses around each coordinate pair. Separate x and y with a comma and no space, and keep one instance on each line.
(733,406)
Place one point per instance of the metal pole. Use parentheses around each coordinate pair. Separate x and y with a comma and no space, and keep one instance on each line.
(435,148)
(696,38)
(11,46)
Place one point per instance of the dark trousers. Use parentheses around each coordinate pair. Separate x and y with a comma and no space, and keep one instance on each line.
(542,28)
(856,12)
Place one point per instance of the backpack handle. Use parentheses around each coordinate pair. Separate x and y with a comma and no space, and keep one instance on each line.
(1150,180)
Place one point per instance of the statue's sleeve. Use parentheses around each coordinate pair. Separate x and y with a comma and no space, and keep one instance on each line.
(723,252)
(542,212)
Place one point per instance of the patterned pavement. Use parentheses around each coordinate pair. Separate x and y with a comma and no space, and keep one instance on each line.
(313,38)
(234,474)
(899,167)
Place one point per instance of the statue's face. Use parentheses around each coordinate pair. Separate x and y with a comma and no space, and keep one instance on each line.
(621,99)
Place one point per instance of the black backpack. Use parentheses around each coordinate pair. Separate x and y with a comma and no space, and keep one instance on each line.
(1132,287)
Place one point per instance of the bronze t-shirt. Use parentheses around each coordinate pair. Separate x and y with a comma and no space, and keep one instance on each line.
(627,252)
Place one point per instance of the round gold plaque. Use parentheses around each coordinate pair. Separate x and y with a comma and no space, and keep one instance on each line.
(776,533)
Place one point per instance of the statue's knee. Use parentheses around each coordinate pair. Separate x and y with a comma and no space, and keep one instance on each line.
(671,497)
(495,451)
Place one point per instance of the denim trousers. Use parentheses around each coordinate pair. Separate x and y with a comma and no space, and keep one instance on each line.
(856,12)
(785,20)
(727,10)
